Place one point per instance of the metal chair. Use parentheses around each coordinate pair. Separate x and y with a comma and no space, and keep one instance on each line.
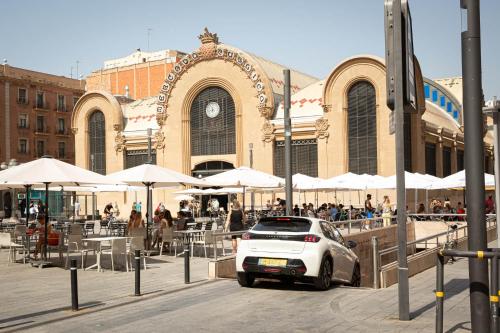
(75,245)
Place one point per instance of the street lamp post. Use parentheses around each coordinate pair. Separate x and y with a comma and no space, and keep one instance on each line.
(493,108)
(252,194)
(474,168)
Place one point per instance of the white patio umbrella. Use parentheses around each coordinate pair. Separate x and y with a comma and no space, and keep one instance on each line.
(457,180)
(346,181)
(50,171)
(412,181)
(153,176)
(183,197)
(245,177)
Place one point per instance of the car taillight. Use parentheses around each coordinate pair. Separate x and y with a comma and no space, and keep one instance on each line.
(246,236)
(311,239)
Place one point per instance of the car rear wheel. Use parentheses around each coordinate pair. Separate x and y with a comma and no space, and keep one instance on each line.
(246,279)
(324,279)
(356,276)
(288,280)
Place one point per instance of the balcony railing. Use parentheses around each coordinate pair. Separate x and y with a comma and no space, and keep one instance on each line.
(42,106)
(22,100)
(23,126)
(61,108)
(62,131)
(42,130)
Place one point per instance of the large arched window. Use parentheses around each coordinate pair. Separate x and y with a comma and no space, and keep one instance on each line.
(97,142)
(213,123)
(362,128)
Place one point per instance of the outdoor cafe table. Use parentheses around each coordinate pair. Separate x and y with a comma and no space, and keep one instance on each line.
(188,237)
(99,248)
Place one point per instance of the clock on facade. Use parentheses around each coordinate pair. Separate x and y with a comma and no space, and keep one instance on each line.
(212,110)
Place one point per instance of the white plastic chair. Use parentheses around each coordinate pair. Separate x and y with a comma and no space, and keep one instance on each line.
(6,241)
(137,243)
(75,245)
(168,237)
(118,247)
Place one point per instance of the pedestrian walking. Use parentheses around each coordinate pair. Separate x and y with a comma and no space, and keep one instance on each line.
(235,222)
(386,211)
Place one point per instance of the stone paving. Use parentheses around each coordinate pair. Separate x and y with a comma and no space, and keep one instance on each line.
(38,300)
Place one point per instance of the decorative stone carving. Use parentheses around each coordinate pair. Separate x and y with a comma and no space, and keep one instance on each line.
(208,37)
(326,108)
(321,126)
(268,132)
(208,50)
(120,142)
(74,130)
(117,127)
(440,135)
(266,111)
(159,140)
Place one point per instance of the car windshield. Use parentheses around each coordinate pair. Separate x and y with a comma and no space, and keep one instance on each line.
(287,224)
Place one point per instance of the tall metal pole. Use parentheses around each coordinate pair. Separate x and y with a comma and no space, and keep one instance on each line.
(403,284)
(149,193)
(288,144)
(474,168)
(252,194)
(92,168)
(496,147)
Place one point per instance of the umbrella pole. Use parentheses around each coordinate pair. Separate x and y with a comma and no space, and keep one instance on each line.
(28,190)
(416,199)
(46,232)
(147,215)
(244,194)
(93,205)
(74,206)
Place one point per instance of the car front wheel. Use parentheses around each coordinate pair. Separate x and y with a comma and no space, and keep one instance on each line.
(356,276)
(324,279)
(245,279)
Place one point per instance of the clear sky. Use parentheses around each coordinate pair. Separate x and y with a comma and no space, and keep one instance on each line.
(310,36)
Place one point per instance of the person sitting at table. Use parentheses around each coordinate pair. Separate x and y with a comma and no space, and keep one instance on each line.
(166,223)
(159,223)
(41,235)
(108,210)
(135,221)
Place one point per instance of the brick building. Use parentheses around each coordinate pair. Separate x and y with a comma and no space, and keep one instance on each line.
(35,114)
(138,75)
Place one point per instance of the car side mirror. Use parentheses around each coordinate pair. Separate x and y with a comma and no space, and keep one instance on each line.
(351,244)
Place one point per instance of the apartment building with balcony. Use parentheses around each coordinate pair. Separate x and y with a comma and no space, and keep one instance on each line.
(35,114)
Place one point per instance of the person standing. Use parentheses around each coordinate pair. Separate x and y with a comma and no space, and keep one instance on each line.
(386,211)
(235,222)
(368,210)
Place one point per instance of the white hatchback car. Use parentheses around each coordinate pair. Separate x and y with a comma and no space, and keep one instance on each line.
(297,248)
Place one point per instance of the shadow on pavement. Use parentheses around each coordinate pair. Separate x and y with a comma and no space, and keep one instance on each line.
(279,285)
(460,327)
(451,288)
(41,313)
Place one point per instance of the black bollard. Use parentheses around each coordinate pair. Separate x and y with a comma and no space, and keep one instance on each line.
(439,293)
(186,264)
(74,285)
(137,272)
(494,294)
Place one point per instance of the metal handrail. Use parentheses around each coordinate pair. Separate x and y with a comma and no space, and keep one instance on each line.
(361,222)
(217,234)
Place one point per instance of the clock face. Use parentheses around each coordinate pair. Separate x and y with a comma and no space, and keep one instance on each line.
(212,109)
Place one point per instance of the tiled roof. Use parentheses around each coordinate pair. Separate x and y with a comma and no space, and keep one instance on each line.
(274,72)
(139,115)
(306,103)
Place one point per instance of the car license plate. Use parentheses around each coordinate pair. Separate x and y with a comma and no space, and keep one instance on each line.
(272,262)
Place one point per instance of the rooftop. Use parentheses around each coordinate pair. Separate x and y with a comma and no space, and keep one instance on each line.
(7,71)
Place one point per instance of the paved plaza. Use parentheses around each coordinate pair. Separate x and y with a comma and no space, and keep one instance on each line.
(38,300)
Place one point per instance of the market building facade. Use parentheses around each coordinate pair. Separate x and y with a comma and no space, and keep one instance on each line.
(219,105)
